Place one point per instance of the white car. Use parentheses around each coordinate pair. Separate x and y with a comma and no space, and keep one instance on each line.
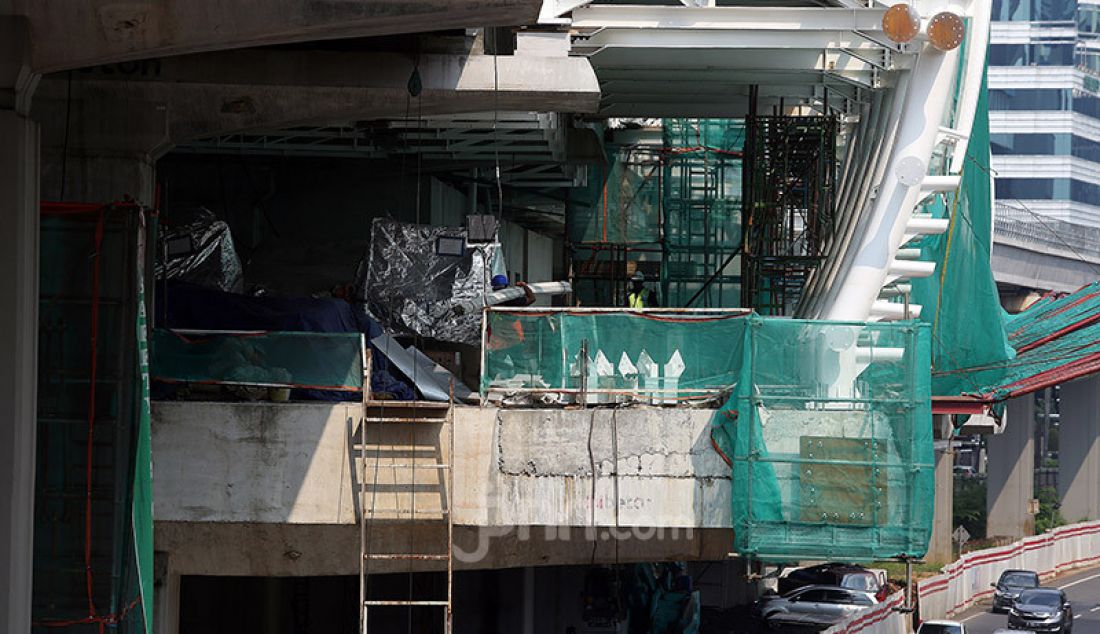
(817,606)
(941,627)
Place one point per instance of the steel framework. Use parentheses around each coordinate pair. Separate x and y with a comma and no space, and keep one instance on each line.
(789,191)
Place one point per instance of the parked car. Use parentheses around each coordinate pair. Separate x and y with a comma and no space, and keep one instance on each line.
(941,627)
(815,606)
(1010,585)
(1042,610)
(844,575)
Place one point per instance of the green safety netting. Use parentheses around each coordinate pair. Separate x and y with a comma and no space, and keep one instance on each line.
(540,351)
(960,300)
(671,209)
(826,426)
(830,438)
(328,361)
(93,545)
(1057,339)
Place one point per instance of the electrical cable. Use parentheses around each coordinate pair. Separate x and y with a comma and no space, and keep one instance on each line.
(65,143)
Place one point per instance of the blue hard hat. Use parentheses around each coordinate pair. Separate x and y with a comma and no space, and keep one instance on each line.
(499,281)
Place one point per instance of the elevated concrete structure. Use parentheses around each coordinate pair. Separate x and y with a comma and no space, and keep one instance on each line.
(101,32)
(1010,479)
(275,496)
(1079,450)
(1028,265)
(217,93)
(296,464)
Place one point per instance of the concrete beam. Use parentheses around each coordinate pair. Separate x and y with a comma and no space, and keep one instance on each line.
(17,79)
(106,151)
(208,95)
(299,550)
(76,35)
(1079,450)
(276,463)
(1010,480)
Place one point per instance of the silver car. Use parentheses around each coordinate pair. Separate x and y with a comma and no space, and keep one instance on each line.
(818,606)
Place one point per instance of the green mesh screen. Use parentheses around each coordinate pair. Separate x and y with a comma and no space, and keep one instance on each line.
(827,426)
(962,290)
(330,361)
(540,351)
(669,208)
(829,433)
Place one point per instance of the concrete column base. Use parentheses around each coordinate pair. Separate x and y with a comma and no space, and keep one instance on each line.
(1079,450)
(1011,475)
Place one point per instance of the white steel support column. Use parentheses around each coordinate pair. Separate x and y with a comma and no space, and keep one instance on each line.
(1010,480)
(925,102)
(18,327)
(1079,449)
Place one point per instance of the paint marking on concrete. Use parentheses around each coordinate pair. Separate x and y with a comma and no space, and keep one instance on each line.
(1073,583)
(1076,616)
(972,616)
(1095,609)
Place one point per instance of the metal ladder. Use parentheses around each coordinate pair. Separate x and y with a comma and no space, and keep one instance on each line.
(412,417)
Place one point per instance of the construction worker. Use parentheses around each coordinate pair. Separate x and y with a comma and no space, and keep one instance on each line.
(638,296)
(513,335)
(500,282)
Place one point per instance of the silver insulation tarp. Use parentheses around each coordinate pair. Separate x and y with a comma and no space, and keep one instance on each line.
(201,252)
(410,288)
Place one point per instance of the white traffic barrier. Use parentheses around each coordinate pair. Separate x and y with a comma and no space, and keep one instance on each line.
(883,618)
(967,581)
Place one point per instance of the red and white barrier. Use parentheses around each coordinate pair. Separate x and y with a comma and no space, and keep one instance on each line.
(880,619)
(968,580)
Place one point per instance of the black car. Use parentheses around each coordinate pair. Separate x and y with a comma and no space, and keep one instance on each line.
(833,574)
(1042,610)
(1010,585)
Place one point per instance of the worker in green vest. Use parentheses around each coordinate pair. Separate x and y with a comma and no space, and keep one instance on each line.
(638,296)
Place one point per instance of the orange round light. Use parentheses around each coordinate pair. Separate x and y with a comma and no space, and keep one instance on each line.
(901,22)
(946,31)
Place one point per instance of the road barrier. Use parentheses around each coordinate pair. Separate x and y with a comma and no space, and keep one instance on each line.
(967,581)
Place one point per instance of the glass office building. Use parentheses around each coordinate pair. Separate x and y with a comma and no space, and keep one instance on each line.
(1044,101)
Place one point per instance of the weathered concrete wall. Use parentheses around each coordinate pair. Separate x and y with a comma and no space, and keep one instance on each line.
(253,462)
(297,463)
(268,489)
(534,467)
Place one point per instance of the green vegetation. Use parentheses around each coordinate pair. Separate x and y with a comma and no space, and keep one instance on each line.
(969,506)
(1050,515)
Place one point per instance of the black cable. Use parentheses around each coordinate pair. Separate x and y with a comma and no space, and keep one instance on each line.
(65,143)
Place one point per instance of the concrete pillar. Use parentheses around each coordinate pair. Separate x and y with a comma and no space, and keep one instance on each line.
(1079,450)
(18,324)
(96,148)
(166,595)
(1011,475)
(941,547)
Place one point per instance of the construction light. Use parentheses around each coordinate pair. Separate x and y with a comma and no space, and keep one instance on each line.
(901,22)
(946,31)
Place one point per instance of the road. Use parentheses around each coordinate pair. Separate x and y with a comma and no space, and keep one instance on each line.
(1083,590)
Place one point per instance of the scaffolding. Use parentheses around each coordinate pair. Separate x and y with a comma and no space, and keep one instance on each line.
(702,202)
(669,209)
(789,193)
